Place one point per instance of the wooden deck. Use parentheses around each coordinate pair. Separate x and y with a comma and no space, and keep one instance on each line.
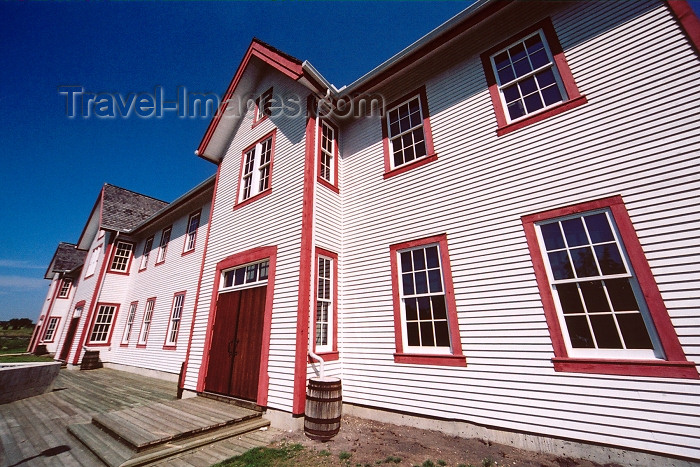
(34,431)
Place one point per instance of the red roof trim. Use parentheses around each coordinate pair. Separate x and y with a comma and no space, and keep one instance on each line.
(688,21)
(276,59)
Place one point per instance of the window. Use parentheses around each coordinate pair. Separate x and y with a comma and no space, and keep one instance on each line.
(191,236)
(163,247)
(263,106)
(129,323)
(247,275)
(529,78)
(424,304)
(92,262)
(65,287)
(328,152)
(256,169)
(326,309)
(175,316)
(51,329)
(146,325)
(407,136)
(599,295)
(146,252)
(122,257)
(102,327)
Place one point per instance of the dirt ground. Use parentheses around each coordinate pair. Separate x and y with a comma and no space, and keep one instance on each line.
(372,443)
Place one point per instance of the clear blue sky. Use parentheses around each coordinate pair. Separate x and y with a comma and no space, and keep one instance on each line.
(53,167)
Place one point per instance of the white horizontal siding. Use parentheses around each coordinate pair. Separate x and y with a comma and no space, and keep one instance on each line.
(637,137)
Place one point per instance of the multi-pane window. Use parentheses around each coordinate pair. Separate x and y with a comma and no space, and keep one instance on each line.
(263,105)
(51,329)
(103,324)
(599,301)
(527,78)
(257,167)
(406,133)
(122,255)
(92,262)
(129,323)
(328,141)
(163,247)
(324,304)
(245,275)
(423,300)
(192,226)
(65,287)
(147,316)
(175,317)
(146,252)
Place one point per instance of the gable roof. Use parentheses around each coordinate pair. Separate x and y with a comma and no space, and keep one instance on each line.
(66,258)
(123,209)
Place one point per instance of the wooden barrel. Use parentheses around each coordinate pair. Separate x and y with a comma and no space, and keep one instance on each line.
(324,401)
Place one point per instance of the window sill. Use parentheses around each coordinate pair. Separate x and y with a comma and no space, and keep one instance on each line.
(658,368)
(98,344)
(140,346)
(326,356)
(188,252)
(142,269)
(252,199)
(258,122)
(422,359)
(170,347)
(120,273)
(411,165)
(550,112)
(328,184)
(124,345)
(158,264)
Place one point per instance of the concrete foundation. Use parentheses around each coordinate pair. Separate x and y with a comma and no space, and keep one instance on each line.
(282,420)
(21,380)
(157,374)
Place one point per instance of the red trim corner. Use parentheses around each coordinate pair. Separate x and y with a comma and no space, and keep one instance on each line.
(689,22)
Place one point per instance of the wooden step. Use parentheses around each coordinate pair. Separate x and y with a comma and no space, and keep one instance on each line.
(108,449)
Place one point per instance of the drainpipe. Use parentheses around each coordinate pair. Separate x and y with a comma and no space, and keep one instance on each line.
(313,243)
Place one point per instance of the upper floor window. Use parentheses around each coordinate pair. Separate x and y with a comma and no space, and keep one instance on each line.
(426,318)
(191,236)
(326,306)
(175,318)
(65,287)
(247,275)
(129,323)
(102,327)
(146,252)
(328,155)
(529,78)
(256,169)
(92,262)
(51,329)
(147,317)
(263,106)
(599,293)
(163,247)
(408,140)
(122,257)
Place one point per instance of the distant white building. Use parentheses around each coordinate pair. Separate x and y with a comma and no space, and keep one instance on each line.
(506,248)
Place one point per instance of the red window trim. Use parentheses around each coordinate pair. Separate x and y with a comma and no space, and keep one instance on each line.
(55,329)
(574,97)
(170,239)
(139,344)
(427,132)
(152,238)
(114,253)
(167,346)
(111,326)
(333,354)
(126,323)
(456,358)
(239,204)
(90,258)
(265,116)
(187,227)
(248,256)
(332,186)
(676,364)
(70,287)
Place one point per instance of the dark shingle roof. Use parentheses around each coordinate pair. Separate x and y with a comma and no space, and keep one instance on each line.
(66,258)
(123,209)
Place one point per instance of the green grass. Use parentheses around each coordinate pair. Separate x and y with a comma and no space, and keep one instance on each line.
(23,358)
(15,340)
(264,457)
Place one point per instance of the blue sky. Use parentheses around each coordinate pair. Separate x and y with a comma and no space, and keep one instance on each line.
(54,166)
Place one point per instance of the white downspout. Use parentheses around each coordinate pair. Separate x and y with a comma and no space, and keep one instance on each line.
(312,285)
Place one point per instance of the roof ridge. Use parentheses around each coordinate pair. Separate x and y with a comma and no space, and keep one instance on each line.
(135,192)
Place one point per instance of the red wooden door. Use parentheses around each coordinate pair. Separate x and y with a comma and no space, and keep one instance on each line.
(234,355)
(68,341)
